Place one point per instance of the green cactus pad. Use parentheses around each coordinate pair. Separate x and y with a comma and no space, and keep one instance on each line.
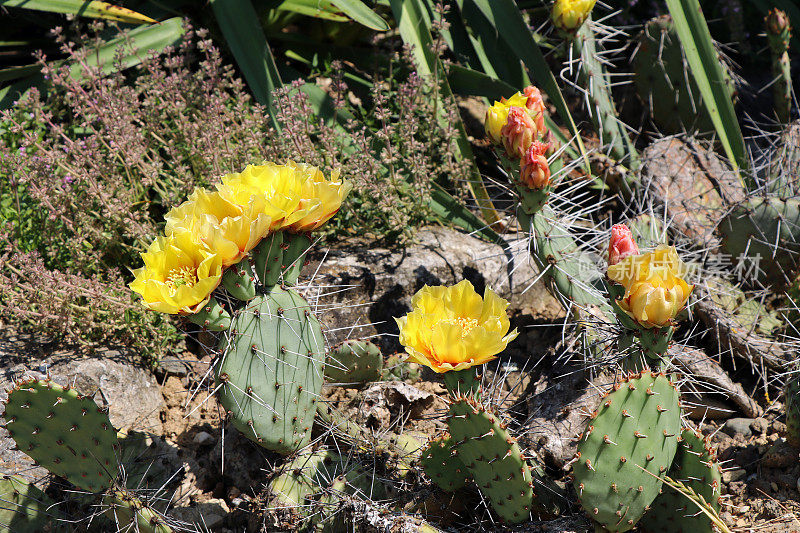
(755,227)
(26,509)
(697,467)
(212,317)
(270,371)
(493,458)
(294,257)
(239,281)
(792,401)
(310,473)
(67,434)
(396,368)
(354,361)
(637,426)
(664,83)
(268,259)
(443,465)
(130,515)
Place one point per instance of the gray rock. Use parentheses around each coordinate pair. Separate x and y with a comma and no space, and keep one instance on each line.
(172,366)
(203,437)
(738,426)
(366,288)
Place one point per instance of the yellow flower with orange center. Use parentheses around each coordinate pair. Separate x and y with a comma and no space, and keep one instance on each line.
(178,276)
(230,230)
(655,289)
(453,328)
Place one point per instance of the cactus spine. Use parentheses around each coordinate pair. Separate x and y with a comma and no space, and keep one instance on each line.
(636,427)
(779,31)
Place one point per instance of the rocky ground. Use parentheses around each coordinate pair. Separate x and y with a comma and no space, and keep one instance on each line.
(179,451)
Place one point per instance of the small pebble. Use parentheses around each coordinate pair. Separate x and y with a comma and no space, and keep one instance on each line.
(733,475)
(203,438)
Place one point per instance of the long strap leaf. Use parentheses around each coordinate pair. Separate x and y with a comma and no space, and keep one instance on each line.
(414,23)
(82,8)
(708,74)
(359,12)
(238,21)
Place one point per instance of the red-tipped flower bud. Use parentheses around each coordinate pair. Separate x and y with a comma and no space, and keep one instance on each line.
(518,132)
(622,244)
(535,105)
(534,171)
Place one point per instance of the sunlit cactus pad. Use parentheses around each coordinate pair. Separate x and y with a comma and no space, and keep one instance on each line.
(26,509)
(636,428)
(443,465)
(130,515)
(697,467)
(494,459)
(64,432)
(270,372)
(354,361)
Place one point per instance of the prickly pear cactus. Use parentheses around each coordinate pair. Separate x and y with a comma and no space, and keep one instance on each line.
(442,464)
(636,427)
(792,401)
(280,257)
(130,515)
(697,467)
(310,473)
(354,361)
(396,368)
(779,31)
(64,432)
(493,458)
(270,372)
(767,232)
(663,81)
(25,508)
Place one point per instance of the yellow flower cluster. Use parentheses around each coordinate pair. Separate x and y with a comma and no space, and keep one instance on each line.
(655,289)
(453,328)
(569,15)
(215,229)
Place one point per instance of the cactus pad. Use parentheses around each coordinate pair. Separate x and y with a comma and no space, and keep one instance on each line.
(280,256)
(695,466)
(636,427)
(767,229)
(64,432)
(270,371)
(239,281)
(212,316)
(792,401)
(131,515)
(396,368)
(354,361)
(493,458)
(443,465)
(25,509)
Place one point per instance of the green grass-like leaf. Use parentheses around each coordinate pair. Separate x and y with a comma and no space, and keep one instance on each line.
(708,74)
(82,8)
(359,12)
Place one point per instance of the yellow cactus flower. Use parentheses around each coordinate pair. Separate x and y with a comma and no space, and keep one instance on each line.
(655,290)
(497,115)
(277,188)
(453,328)
(569,15)
(230,230)
(321,198)
(178,276)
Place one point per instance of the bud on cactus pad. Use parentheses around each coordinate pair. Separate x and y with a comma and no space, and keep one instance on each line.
(636,427)
(493,458)
(792,401)
(129,514)
(270,371)
(212,316)
(64,432)
(354,361)
(26,509)
(281,254)
(442,464)
(697,467)
(239,281)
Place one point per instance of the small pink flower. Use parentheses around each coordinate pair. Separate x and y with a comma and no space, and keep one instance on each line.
(535,105)
(534,170)
(518,133)
(622,244)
